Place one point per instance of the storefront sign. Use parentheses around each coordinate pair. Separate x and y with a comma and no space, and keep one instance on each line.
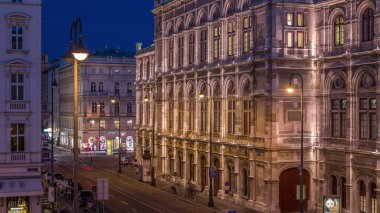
(130,144)
(332,204)
(109,147)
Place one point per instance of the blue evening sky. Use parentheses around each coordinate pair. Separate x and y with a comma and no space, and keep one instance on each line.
(115,23)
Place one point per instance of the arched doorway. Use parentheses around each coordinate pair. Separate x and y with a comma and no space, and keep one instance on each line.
(216,184)
(289,180)
(191,167)
(203,172)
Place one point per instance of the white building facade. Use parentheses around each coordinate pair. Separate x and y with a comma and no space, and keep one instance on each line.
(240,54)
(20,108)
(106,102)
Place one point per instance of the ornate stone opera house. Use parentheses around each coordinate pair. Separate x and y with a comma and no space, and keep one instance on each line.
(240,54)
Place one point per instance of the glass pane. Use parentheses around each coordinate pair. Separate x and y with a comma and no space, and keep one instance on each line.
(20,92)
(21,144)
(14,42)
(13,78)
(363,104)
(19,43)
(343,104)
(300,40)
(13,144)
(300,19)
(373,103)
(13,92)
(289,19)
(20,78)
(21,129)
(20,31)
(14,30)
(13,129)
(335,104)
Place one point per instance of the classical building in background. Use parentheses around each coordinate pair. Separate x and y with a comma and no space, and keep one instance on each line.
(106,101)
(246,51)
(20,117)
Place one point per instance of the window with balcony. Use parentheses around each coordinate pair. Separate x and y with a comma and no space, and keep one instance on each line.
(93,87)
(231,27)
(17,137)
(17,37)
(203,45)
(217,47)
(17,87)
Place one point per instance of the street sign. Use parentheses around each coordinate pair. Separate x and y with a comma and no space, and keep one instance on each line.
(102,189)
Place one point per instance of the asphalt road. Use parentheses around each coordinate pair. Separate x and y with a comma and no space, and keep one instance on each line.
(125,194)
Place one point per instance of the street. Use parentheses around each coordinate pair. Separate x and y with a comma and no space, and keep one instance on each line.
(126,193)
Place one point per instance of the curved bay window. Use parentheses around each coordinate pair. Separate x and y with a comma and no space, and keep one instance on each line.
(363,199)
(339,30)
(368,25)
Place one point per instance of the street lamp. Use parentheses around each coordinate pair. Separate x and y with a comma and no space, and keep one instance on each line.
(211,173)
(290,89)
(53,85)
(80,53)
(153,178)
(119,153)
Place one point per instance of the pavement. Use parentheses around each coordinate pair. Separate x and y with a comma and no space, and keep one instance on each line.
(109,164)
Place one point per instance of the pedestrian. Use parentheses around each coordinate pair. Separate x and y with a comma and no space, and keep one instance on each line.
(189,189)
(173,184)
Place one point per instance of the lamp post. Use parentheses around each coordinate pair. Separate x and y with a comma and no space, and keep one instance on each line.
(290,89)
(211,173)
(99,129)
(53,85)
(119,153)
(153,178)
(80,53)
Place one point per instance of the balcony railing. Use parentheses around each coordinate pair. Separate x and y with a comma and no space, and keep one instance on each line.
(18,106)
(20,157)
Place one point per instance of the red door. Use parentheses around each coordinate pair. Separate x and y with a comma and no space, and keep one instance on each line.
(289,180)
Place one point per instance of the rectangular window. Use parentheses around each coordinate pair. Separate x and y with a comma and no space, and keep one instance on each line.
(170,53)
(17,87)
(300,40)
(180,51)
(102,124)
(117,124)
(363,120)
(117,87)
(247,117)
(338,118)
(203,45)
(300,20)
(141,112)
(129,87)
(147,115)
(335,124)
(289,19)
(231,117)
(180,115)
(289,39)
(217,116)
(92,124)
(247,24)
(17,137)
(117,107)
(373,126)
(100,86)
(191,115)
(17,38)
(191,48)
(130,124)
(217,42)
(231,38)
(363,203)
(171,115)
(343,124)
(129,108)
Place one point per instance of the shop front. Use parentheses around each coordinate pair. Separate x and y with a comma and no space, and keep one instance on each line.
(17,205)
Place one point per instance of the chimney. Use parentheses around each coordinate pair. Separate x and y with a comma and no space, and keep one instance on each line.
(138,47)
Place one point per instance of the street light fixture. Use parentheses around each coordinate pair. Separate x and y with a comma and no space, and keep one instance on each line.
(53,85)
(153,175)
(119,153)
(290,89)
(80,53)
(211,173)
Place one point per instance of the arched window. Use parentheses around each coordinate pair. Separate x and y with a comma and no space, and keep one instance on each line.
(101,107)
(147,70)
(230,9)
(100,86)
(94,107)
(344,193)
(367,108)
(373,197)
(339,30)
(334,185)
(362,194)
(367,25)
(245,182)
(93,87)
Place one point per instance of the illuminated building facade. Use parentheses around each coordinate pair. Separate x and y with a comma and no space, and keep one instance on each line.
(246,51)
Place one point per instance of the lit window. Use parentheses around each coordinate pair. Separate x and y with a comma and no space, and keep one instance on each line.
(246,34)
(129,124)
(117,124)
(217,42)
(339,30)
(300,20)
(300,40)
(102,124)
(289,38)
(289,19)
(17,137)
(231,38)
(92,124)
(17,38)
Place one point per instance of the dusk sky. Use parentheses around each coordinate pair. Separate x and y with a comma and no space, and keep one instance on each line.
(113,23)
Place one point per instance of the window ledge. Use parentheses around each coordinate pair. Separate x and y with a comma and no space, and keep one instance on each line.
(12,51)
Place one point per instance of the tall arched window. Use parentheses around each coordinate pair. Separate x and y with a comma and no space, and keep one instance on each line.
(362,194)
(93,87)
(147,70)
(245,182)
(334,185)
(94,107)
(367,108)
(339,30)
(373,197)
(367,25)
(180,166)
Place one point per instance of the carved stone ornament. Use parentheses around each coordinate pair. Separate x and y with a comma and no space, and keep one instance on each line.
(367,81)
(231,88)
(339,83)
(217,88)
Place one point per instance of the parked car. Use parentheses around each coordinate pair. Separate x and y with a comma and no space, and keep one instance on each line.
(45,143)
(85,197)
